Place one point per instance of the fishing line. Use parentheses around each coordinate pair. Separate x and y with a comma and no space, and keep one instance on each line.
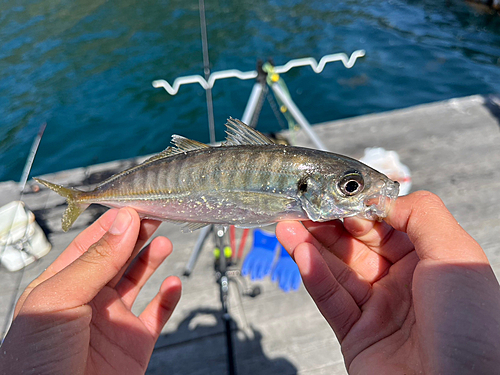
(206,71)
(21,186)
(224,281)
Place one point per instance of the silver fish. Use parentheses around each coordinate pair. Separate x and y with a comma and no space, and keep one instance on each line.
(248,181)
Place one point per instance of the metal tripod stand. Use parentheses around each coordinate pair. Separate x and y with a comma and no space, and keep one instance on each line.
(250,116)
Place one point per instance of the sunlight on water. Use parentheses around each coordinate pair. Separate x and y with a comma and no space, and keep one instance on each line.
(86,67)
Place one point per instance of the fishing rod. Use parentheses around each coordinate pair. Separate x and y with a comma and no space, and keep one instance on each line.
(206,71)
(31,158)
(270,78)
(22,184)
(221,264)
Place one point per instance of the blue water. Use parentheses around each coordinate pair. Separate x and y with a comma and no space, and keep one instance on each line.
(86,67)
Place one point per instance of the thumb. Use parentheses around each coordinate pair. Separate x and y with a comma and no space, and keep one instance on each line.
(82,280)
(433,230)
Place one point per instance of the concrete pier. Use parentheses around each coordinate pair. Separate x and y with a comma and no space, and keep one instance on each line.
(452,149)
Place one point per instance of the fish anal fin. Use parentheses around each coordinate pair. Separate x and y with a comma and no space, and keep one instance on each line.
(188,226)
(191,227)
(71,213)
(238,133)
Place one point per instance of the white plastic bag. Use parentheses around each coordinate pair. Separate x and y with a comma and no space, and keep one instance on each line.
(388,163)
(22,241)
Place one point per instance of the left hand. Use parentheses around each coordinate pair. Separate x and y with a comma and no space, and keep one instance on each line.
(76,318)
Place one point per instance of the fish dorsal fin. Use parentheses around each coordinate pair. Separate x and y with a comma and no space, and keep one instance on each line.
(181,145)
(239,134)
(165,153)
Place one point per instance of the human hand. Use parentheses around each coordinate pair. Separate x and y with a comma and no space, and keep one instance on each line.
(76,318)
(413,294)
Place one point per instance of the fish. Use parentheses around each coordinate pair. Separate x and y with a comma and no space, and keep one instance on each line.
(248,181)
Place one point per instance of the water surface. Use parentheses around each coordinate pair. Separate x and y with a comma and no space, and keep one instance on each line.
(86,67)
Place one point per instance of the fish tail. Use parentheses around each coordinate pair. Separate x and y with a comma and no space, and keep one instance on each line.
(75,206)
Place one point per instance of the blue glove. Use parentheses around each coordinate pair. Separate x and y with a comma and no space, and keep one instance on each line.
(286,272)
(260,259)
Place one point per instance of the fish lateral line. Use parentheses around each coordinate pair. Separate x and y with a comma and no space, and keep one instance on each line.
(238,134)
(263,183)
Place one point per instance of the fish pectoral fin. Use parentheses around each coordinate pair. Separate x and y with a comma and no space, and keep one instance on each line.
(238,133)
(311,210)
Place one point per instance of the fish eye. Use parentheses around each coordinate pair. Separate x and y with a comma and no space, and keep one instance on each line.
(351,184)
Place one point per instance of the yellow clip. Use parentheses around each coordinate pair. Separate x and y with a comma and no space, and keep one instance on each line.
(217,253)
(275,77)
(228,252)
(283,108)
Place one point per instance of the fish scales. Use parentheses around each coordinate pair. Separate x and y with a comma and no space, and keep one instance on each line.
(203,170)
(249,181)
(230,185)
(214,177)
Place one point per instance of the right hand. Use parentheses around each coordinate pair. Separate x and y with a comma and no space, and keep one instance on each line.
(412,294)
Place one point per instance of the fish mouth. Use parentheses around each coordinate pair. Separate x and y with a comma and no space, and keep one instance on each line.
(377,206)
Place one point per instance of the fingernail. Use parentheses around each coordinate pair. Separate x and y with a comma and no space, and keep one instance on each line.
(121,223)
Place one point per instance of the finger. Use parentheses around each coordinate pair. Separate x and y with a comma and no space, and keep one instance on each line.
(389,310)
(148,227)
(159,310)
(357,255)
(81,243)
(335,303)
(333,236)
(291,234)
(79,283)
(379,237)
(76,248)
(433,229)
(142,268)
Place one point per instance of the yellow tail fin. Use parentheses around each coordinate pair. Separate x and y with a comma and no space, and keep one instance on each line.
(75,208)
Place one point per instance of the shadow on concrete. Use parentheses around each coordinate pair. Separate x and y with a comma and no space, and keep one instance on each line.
(199,346)
(492,102)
